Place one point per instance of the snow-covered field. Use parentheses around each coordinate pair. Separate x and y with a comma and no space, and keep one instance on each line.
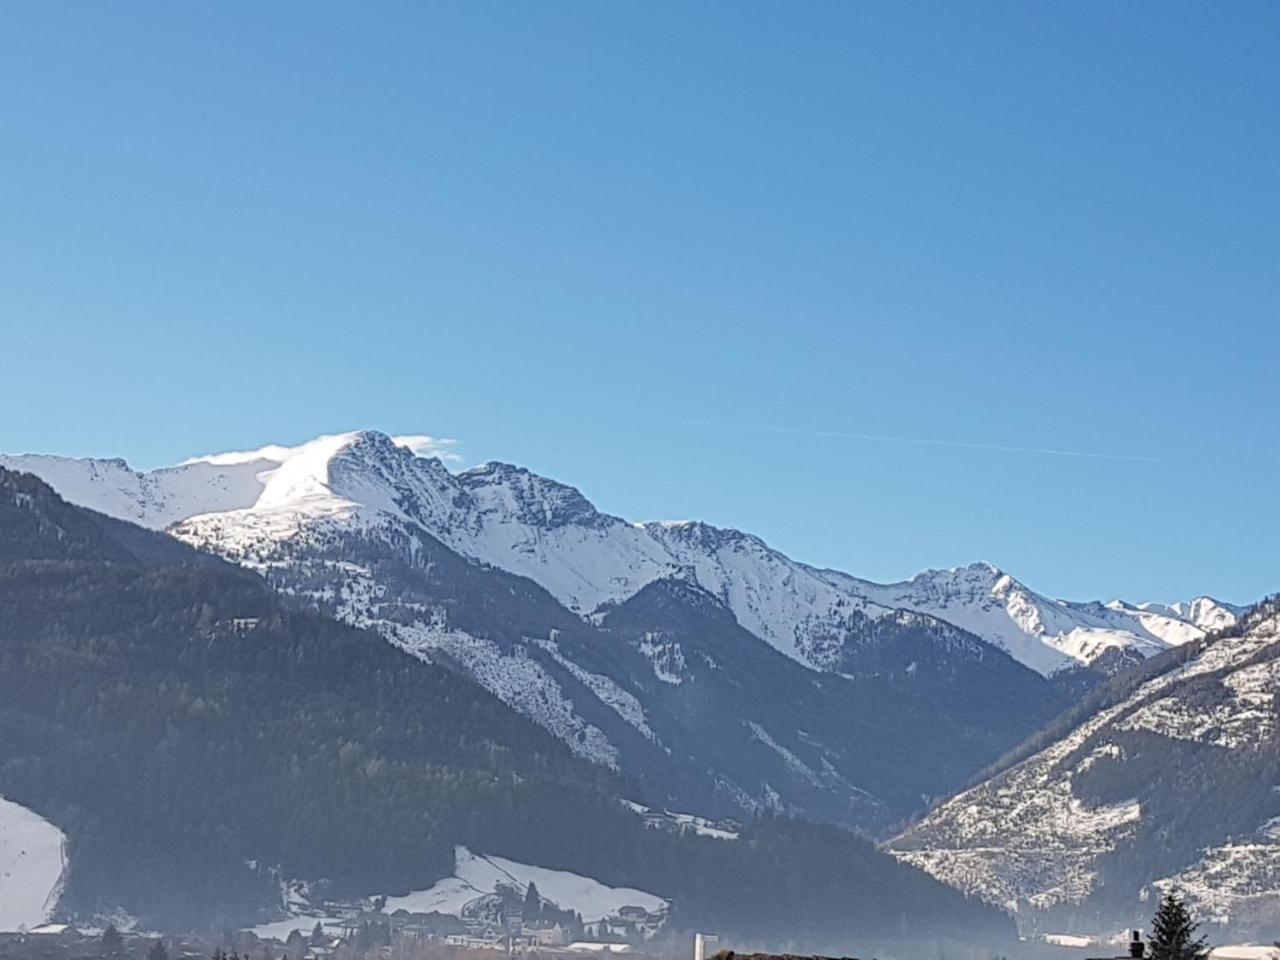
(1068,940)
(1245,951)
(31,866)
(476,875)
(303,923)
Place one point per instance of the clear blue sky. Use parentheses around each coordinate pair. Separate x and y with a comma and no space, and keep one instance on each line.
(672,252)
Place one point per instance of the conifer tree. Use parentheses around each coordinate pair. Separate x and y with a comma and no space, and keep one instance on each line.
(158,951)
(112,943)
(1173,932)
(532,904)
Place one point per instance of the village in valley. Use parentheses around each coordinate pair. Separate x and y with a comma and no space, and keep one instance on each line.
(513,918)
(490,932)
(472,914)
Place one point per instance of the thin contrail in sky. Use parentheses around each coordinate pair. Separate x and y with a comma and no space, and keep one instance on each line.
(927,441)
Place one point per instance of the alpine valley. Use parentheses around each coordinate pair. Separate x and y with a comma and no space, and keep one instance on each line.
(676,666)
(183,749)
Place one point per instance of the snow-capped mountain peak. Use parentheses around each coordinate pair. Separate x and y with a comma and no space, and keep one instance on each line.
(367,469)
(1046,634)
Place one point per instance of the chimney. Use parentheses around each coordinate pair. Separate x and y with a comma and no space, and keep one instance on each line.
(1136,947)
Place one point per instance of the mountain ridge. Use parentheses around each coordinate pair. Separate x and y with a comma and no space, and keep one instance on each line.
(1165,782)
(510,517)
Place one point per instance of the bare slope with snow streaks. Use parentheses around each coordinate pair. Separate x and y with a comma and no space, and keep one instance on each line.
(1113,808)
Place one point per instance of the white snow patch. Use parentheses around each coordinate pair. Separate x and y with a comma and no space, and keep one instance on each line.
(680,822)
(476,875)
(666,656)
(797,765)
(1245,951)
(515,679)
(606,690)
(32,862)
(1068,940)
(303,923)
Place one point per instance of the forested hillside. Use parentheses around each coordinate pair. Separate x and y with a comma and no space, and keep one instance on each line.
(197,739)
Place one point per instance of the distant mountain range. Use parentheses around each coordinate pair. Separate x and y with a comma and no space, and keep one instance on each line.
(721,675)
(528,525)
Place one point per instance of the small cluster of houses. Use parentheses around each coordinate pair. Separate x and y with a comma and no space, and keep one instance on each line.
(490,922)
(631,924)
(62,941)
(393,941)
(397,941)
(687,823)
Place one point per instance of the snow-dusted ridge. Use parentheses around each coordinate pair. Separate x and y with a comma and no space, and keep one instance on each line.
(241,504)
(1046,634)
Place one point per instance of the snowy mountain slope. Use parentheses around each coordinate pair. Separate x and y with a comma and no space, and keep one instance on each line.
(475,877)
(666,685)
(786,603)
(529,525)
(154,499)
(208,484)
(1171,784)
(31,867)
